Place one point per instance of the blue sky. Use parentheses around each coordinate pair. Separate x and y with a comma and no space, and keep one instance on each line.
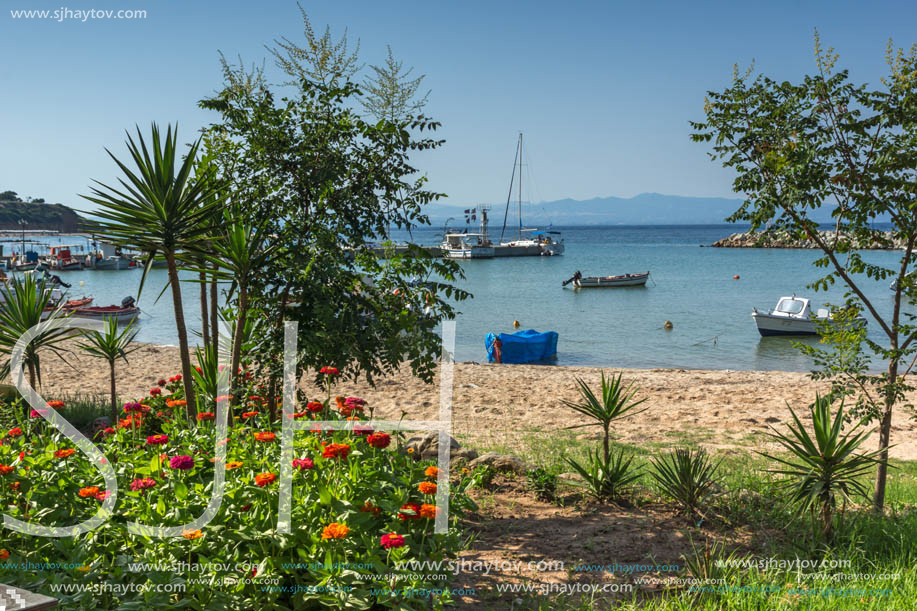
(602,90)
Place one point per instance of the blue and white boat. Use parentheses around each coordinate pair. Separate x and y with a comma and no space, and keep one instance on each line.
(793,316)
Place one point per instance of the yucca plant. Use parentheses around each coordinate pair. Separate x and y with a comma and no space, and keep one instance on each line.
(686,476)
(160,209)
(616,401)
(824,468)
(710,565)
(111,344)
(606,478)
(22,306)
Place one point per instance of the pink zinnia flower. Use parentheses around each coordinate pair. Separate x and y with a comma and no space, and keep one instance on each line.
(183,462)
(392,540)
(143,484)
(303,463)
(157,440)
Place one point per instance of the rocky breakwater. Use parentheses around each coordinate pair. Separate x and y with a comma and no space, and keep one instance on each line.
(782,239)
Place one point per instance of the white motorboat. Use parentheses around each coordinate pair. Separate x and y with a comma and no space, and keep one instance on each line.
(583,282)
(792,316)
(467,246)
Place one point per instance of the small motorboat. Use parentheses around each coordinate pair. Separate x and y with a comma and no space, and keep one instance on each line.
(521,347)
(793,316)
(125,312)
(581,282)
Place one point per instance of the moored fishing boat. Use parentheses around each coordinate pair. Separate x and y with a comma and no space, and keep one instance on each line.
(582,282)
(126,312)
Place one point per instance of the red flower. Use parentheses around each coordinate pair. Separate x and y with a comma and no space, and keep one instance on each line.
(265,479)
(56,404)
(265,437)
(246,507)
(143,484)
(298,415)
(336,450)
(16,432)
(5,469)
(303,463)
(411,507)
(205,416)
(392,540)
(249,414)
(108,431)
(102,495)
(156,440)
(329,371)
(161,382)
(155,392)
(315,406)
(90,491)
(379,440)
(65,453)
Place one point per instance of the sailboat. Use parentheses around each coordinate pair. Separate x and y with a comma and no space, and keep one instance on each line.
(529,242)
(464,245)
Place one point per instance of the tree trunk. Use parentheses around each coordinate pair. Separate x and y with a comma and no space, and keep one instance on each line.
(205,322)
(182,334)
(114,400)
(237,339)
(215,313)
(885,430)
(827,523)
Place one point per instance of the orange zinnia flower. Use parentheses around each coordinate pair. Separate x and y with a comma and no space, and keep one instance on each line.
(335,531)
(4,469)
(336,450)
(176,403)
(265,436)
(427,487)
(65,453)
(265,479)
(370,508)
(191,535)
(4,554)
(233,464)
(90,491)
(431,472)
(428,511)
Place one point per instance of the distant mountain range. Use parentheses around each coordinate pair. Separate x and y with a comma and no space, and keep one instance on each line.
(643,209)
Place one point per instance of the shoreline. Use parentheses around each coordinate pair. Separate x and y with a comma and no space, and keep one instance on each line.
(500,405)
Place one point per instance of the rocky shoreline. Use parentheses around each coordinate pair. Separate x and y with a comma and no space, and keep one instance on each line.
(782,239)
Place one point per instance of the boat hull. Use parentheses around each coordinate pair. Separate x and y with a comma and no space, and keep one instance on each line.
(772,326)
(475,252)
(122,315)
(517,250)
(612,282)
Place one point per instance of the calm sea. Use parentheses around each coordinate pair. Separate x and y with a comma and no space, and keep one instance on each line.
(690,286)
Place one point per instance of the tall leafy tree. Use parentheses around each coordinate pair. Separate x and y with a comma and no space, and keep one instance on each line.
(391,92)
(160,208)
(826,142)
(324,183)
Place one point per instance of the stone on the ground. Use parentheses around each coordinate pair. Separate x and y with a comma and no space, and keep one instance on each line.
(500,463)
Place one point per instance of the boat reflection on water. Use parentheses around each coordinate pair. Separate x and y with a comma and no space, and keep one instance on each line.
(783,349)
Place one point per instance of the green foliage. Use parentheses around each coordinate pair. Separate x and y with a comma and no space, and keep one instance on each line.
(823,469)
(616,401)
(111,344)
(606,477)
(367,490)
(686,476)
(795,147)
(543,483)
(22,306)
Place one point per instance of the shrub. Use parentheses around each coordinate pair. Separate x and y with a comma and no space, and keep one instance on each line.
(687,476)
(543,483)
(606,479)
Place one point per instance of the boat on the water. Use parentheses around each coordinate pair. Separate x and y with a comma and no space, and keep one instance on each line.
(123,313)
(61,258)
(521,347)
(793,316)
(582,282)
(466,245)
(530,242)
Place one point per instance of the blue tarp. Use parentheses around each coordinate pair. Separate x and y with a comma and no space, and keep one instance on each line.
(523,346)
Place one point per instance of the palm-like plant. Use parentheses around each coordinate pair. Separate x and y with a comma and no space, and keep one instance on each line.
(606,478)
(111,344)
(616,401)
(23,307)
(687,476)
(159,210)
(825,468)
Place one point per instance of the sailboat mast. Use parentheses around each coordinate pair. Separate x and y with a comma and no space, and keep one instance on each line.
(520,185)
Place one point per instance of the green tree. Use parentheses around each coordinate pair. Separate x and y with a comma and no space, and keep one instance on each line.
(23,305)
(826,142)
(391,93)
(111,344)
(323,184)
(159,209)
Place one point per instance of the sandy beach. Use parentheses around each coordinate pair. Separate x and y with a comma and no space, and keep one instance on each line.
(496,405)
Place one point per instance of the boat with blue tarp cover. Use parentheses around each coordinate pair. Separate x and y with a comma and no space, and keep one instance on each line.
(521,347)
